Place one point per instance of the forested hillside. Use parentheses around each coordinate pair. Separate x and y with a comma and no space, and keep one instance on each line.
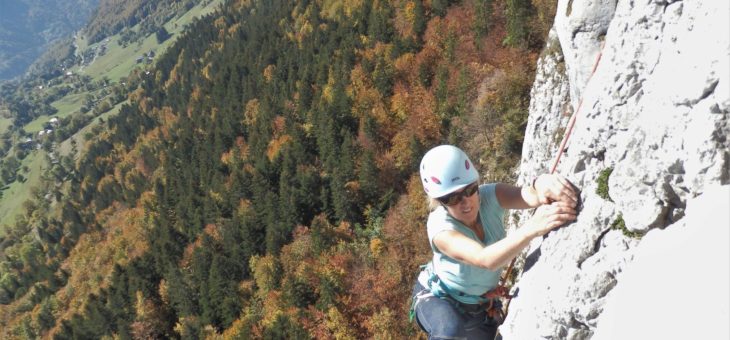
(261,181)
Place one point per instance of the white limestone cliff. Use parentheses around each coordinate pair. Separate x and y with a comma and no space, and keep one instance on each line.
(656,114)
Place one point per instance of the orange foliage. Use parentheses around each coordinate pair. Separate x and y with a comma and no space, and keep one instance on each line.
(240,151)
(406,70)
(278,125)
(275,146)
(419,123)
(368,101)
(213,231)
(386,285)
(91,262)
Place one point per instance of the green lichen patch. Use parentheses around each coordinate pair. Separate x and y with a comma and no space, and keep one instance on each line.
(619,224)
(602,188)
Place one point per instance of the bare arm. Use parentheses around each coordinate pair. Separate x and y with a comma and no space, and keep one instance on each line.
(547,188)
(461,248)
(512,197)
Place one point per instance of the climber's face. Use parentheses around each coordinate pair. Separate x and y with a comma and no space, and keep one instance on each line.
(467,207)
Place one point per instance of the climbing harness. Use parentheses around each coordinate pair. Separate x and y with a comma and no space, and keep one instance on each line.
(437,288)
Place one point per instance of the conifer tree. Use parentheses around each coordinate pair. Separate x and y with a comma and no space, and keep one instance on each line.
(368,177)
(379,28)
(483,13)
(517,13)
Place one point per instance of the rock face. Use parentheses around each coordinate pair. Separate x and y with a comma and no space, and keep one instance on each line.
(684,247)
(654,121)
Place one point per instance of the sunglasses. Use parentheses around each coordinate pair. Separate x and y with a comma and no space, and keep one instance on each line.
(455,198)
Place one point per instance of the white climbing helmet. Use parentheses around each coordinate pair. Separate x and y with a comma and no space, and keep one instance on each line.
(445,169)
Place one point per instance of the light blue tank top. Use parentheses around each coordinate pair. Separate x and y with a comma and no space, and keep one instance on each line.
(471,280)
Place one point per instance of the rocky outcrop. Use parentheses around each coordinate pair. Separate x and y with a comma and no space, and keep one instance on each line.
(651,135)
(679,277)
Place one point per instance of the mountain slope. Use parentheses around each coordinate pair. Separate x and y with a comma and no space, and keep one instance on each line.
(28,27)
(260,181)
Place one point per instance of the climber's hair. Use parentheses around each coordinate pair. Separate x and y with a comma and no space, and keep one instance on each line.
(432,203)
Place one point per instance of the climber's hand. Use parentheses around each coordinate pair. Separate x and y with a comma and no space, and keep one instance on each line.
(553,187)
(550,216)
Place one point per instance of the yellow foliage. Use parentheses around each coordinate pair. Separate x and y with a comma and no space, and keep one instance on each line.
(265,271)
(226,158)
(269,72)
(337,324)
(409,11)
(417,199)
(251,112)
(140,308)
(206,74)
(244,207)
(294,256)
(405,16)
(145,104)
(162,289)
(384,325)
(352,186)
(220,22)
(92,260)
(186,327)
(329,88)
(239,329)
(272,308)
(216,196)
(376,246)
(339,10)
(234,28)
(147,198)
(210,333)
(399,104)
(241,4)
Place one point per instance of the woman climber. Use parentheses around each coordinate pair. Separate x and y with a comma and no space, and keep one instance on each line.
(451,298)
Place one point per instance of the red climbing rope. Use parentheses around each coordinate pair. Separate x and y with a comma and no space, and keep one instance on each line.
(502,286)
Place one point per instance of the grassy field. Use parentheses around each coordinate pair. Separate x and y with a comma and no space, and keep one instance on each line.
(65,147)
(119,61)
(5,124)
(13,195)
(65,106)
(69,104)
